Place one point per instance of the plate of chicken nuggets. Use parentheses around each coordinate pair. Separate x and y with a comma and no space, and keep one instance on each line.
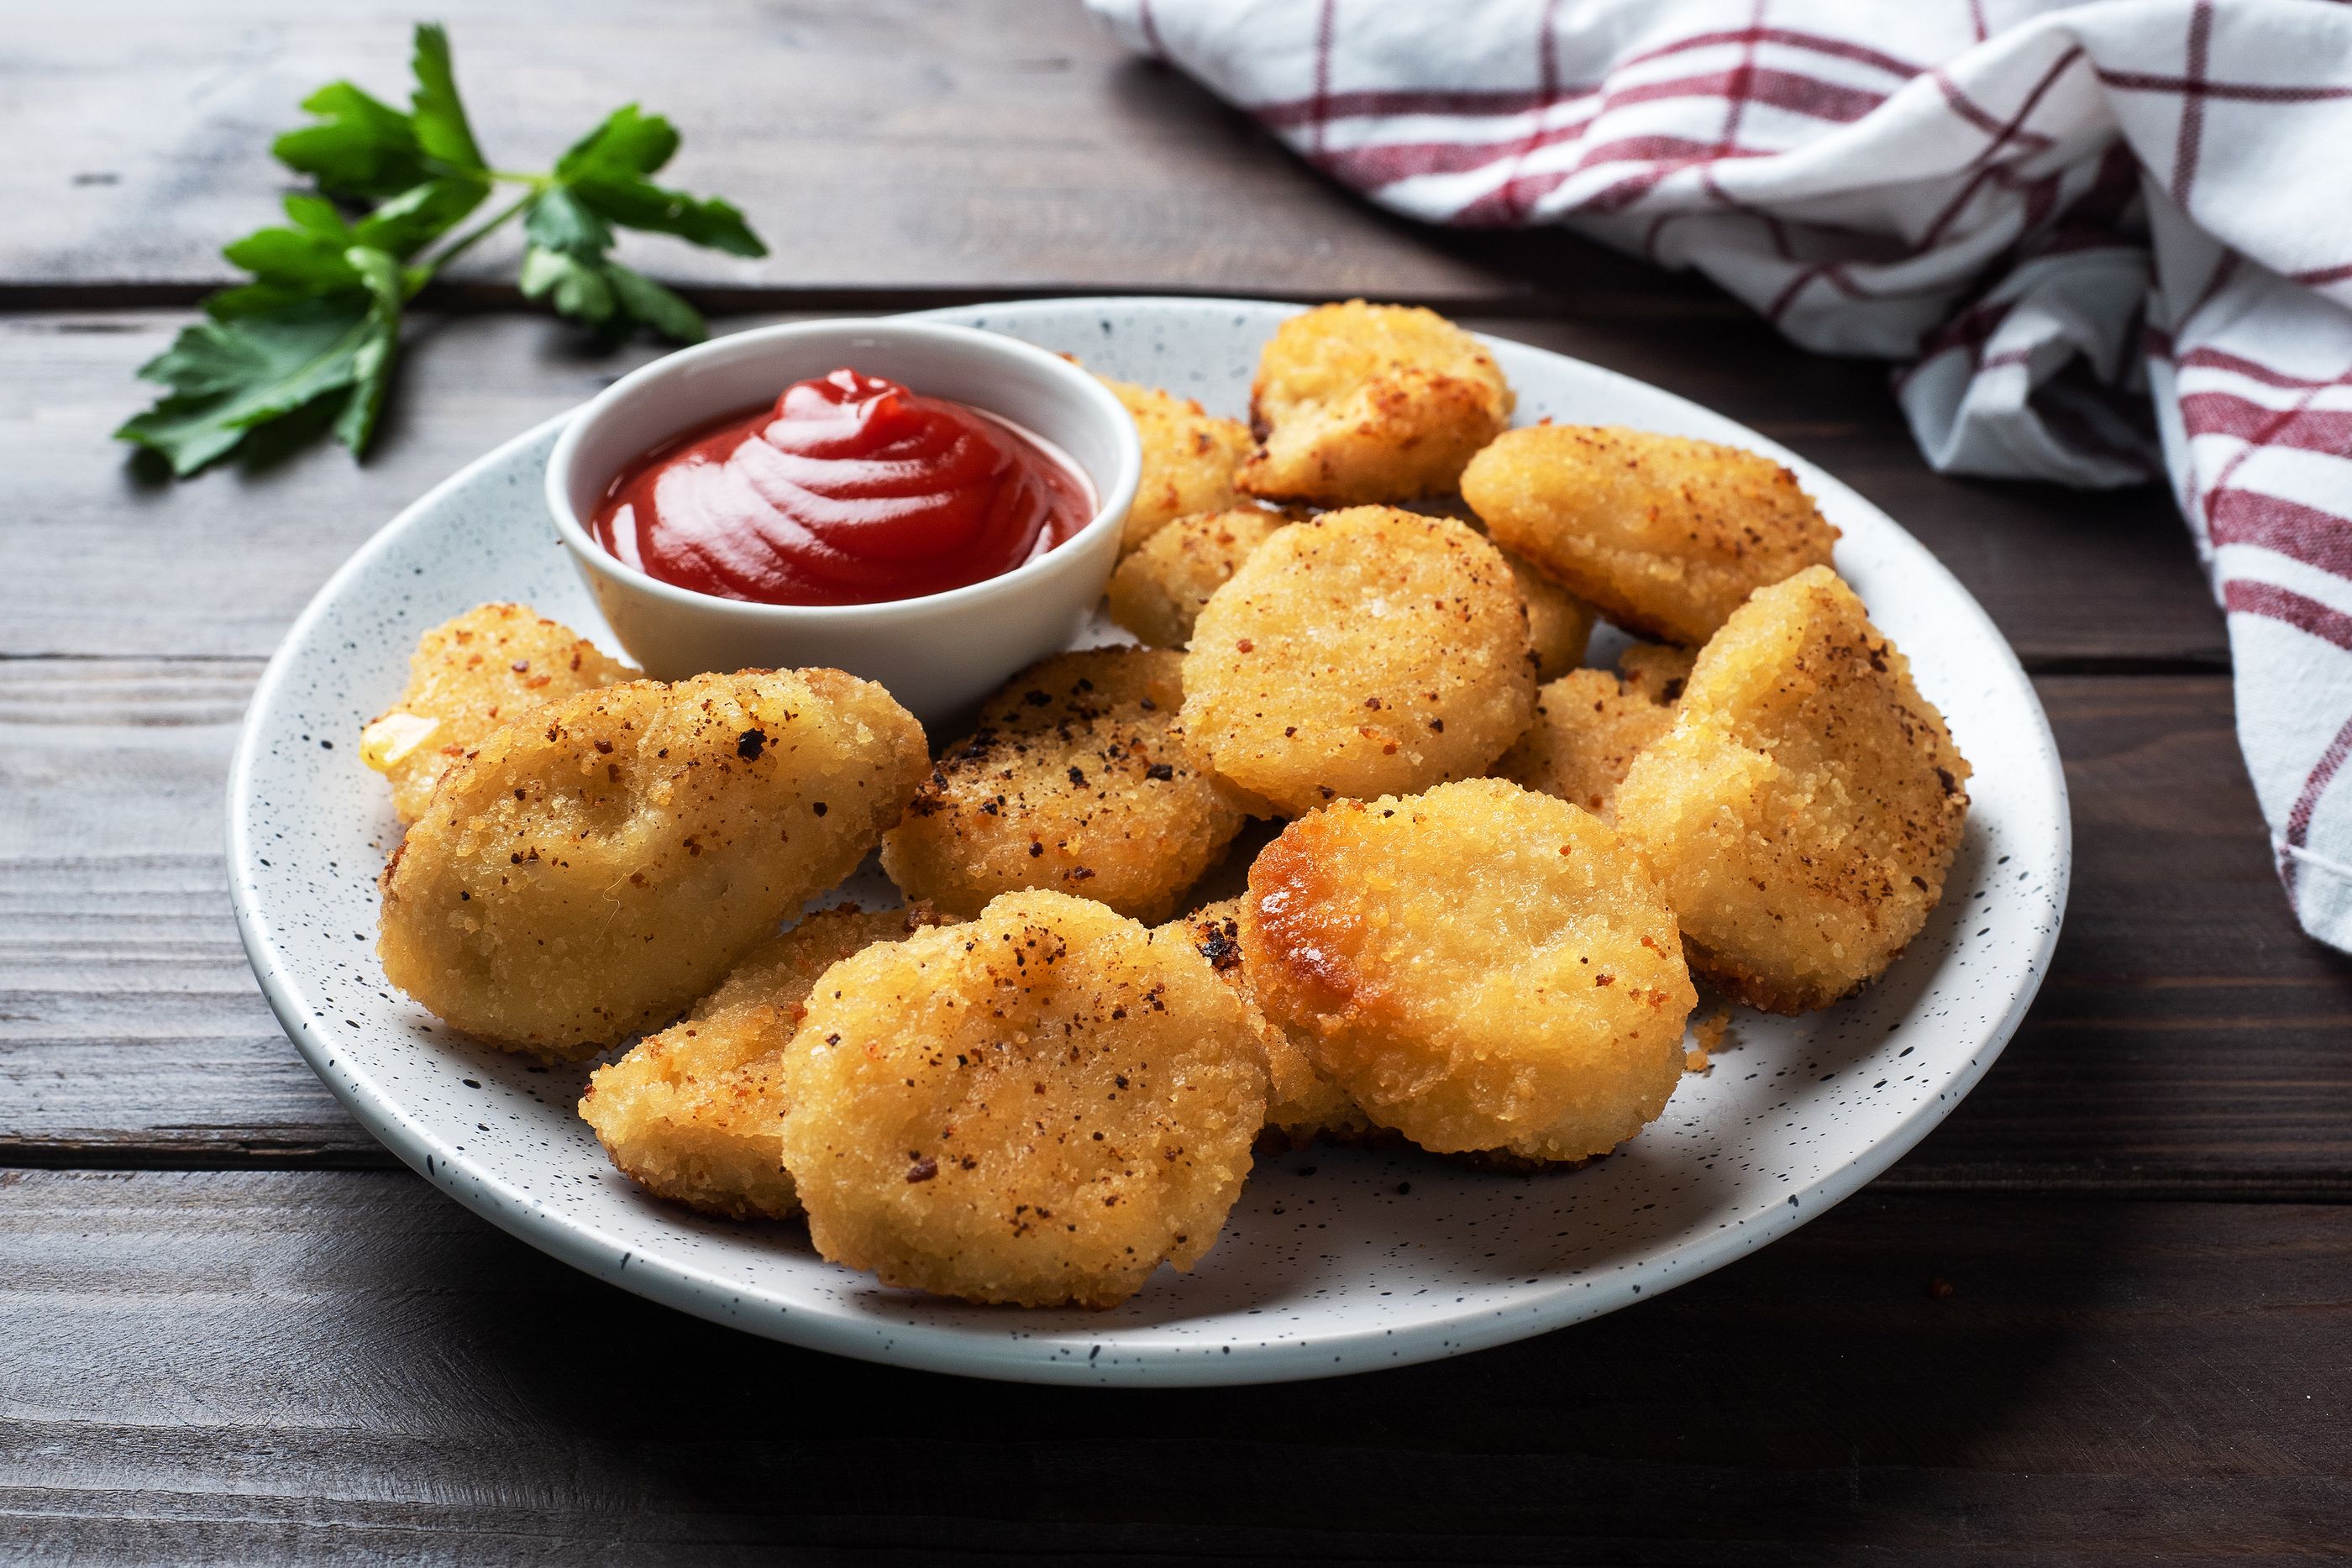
(1512,841)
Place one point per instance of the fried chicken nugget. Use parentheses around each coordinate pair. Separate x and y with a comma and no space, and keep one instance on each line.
(1077,780)
(1482,968)
(1189,459)
(1665,535)
(587,875)
(1560,624)
(1369,402)
(1302,1104)
(1656,671)
(1805,807)
(1369,651)
(1158,591)
(695,1113)
(469,675)
(1589,727)
(1036,1107)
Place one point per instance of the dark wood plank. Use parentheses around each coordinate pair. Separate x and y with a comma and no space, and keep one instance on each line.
(2188,1039)
(996,146)
(301,1367)
(2075,581)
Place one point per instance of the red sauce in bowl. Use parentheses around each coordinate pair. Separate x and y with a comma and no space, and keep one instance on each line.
(849,489)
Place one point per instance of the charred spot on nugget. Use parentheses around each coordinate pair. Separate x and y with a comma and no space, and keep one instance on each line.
(1367,651)
(1804,810)
(1077,780)
(695,1113)
(492,666)
(1481,968)
(1190,456)
(585,877)
(1360,402)
(1665,535)
(1038,1107)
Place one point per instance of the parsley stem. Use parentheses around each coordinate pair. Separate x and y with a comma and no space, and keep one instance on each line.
(467,241)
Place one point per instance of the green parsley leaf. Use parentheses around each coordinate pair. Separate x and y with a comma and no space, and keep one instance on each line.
(226,378)
(434,109)
(363,146)
(309,342)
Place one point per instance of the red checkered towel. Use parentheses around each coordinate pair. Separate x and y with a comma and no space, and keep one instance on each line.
(2106,242)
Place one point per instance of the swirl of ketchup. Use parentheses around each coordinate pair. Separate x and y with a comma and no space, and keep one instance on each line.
(849,490)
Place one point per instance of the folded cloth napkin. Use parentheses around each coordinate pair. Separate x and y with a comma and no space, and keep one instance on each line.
(2105,241)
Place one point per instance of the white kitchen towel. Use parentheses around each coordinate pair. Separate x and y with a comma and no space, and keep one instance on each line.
(2105,242)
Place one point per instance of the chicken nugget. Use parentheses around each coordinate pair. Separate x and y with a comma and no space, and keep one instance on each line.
(1077,780)
(1189,459)
(1805,807)
(1560,624)
(1361,402)
(1036,1107)
(695,1113)
(585,876)
(1483,968)
(1369,651)
(1656,671)
(1302,1104)
(1666,535)
(1589,727)
(1157,592)
(469,675)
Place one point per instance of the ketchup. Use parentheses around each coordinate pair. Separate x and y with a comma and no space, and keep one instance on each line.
(849,490)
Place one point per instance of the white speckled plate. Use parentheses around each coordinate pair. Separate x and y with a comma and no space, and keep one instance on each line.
(1335,1261)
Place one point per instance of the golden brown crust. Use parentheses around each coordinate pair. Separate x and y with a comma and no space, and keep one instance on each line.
(1664,535)
(1190,457)
(1360,402)
(1037,1107)
(1077,780)
(695,1113)
(1159,589)
(1805,807)
(585,877)
(1479,967)
(1369,651)
(492,666)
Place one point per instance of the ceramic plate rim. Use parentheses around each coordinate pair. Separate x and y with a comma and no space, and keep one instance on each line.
(991,1353)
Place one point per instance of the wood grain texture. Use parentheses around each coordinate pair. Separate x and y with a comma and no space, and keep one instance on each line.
(362,1370)
(2187,1041)
(2076,581)
(913,147)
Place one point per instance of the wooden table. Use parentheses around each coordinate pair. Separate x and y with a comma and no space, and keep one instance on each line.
(2103,1314)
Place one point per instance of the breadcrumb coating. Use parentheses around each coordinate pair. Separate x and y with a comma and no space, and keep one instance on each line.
(1077,780)
(695,1113)
(1804,810)
(1190,457)
(1361,402)
(473,673)
(1302,1104)
(1158,590)
(1665,535)
(1482,968)
(1589,727)
(585,876)
(1036,1107)
(1367,651)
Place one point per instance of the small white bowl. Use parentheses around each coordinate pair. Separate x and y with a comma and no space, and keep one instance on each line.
(938,653)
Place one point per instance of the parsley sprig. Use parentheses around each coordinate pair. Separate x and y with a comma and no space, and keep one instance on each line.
(314,335)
